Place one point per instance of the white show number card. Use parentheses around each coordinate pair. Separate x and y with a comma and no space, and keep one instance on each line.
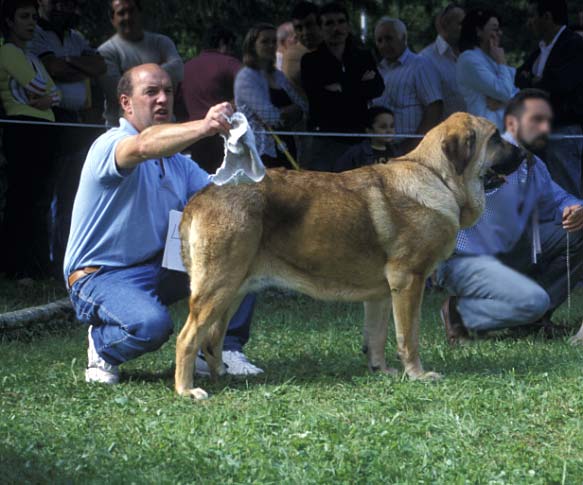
(172,258)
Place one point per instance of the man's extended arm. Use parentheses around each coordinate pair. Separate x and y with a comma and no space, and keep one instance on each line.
(167,139)
(90,65)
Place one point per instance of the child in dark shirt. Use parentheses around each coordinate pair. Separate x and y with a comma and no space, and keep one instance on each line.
(379,121)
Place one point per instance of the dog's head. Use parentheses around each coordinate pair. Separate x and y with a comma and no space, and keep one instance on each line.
(479,156)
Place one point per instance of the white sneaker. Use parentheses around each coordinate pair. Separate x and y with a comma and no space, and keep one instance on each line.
(97,369)
(234,363)
(237,364)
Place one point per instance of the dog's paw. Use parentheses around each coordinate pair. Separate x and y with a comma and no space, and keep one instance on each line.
(390,371)
(195,393)
(421,375)
(576,340)
(429,376)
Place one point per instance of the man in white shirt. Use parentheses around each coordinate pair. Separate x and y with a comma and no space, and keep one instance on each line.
(73,64)
(67,56)
(443,53)
(132,46)
(412,85)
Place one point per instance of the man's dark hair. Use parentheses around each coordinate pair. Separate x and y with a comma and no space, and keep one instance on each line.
(373,113)
(125,84)
(449,7)
(332,7)
(557,9)
(474,19)
(215,35)
(303,10)
(137,3)
(515,106)
(8,10)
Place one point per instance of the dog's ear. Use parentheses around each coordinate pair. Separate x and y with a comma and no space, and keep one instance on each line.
(459,148)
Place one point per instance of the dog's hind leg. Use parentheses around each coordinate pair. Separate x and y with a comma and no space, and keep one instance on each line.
(213,346)
(407,293)
(206,310)
(376,325)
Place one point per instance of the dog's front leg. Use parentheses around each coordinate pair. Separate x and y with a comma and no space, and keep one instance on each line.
(376,325)
(407,293)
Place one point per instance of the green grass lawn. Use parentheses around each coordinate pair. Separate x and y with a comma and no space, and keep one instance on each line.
(508,411)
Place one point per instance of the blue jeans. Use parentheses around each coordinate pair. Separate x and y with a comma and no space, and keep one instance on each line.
(496,292)
(128,310)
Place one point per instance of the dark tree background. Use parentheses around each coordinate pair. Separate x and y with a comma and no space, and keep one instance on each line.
(186,20)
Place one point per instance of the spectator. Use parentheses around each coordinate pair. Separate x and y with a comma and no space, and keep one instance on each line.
(286,38)
(67,56)
(509,269)
(444,52)
(379,121)
(131,46)
(208,80)
(309,37)
(412,85)
(340,80)
(578,29)
(264,94)
(28,93)
(133,175)
(73,64)
(484,78)
(557,67)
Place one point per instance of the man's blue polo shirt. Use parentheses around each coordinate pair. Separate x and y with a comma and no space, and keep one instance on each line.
(120,218)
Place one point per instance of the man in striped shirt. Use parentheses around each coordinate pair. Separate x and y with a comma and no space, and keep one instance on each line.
(443,53)
(412,85)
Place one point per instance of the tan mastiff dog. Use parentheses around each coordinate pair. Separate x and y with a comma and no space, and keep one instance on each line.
(372,234)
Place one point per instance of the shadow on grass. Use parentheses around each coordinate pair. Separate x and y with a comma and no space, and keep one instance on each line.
(336,368)
(16,468)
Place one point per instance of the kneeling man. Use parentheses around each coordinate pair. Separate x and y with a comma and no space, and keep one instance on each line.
(132,177)
(510,268)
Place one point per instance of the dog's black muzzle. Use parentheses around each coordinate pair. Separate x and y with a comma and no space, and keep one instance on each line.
(505,157)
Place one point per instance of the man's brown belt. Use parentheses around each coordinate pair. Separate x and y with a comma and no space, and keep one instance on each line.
(81,273)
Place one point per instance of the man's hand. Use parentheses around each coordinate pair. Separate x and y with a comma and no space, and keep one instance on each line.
(41,102)
(493,104)
(368,76)
(216,119)
(573,218)
(333,88)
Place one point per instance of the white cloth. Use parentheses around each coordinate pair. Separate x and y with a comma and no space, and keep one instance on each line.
(545,51)
(480,77)
(411,84)
(444,60)
(242,163)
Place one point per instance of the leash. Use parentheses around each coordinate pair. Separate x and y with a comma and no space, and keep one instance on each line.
(568,279)
(278,141)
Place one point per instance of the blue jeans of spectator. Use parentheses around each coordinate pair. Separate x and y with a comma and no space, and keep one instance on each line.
(128,308)
(565,157)
(509,290)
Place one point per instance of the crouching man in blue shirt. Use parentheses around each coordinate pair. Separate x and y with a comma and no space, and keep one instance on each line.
(510,268)
(132,177)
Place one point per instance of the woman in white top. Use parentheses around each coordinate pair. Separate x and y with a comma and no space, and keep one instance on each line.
(265,95)
(485,80)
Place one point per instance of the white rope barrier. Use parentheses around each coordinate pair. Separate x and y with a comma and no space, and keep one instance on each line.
(262,132)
